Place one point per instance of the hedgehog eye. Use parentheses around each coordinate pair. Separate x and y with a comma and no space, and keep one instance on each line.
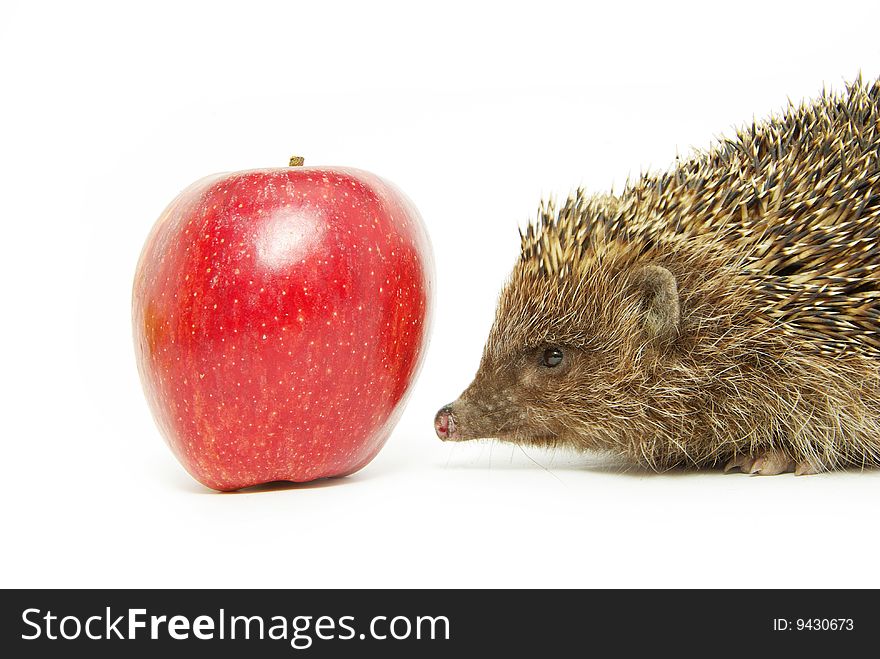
(552,357)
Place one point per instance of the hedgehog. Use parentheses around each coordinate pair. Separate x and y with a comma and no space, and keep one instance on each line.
(722,314)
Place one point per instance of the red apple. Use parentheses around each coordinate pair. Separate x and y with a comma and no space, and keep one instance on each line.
(280,318)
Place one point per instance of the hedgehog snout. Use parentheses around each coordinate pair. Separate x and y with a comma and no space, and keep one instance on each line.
(444,423)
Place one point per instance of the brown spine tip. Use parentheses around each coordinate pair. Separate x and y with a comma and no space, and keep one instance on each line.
(296,161)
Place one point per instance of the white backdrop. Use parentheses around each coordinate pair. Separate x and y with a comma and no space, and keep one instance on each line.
(477,111)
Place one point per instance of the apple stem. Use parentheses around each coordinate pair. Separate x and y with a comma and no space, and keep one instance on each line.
(296,161)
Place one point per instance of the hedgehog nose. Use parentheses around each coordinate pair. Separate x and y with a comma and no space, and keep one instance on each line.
(444,423)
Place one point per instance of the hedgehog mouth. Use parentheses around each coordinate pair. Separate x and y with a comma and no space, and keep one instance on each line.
(445,425)
(449,427)
(518,436)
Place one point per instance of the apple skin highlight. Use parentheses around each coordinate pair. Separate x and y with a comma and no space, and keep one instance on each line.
(280,318)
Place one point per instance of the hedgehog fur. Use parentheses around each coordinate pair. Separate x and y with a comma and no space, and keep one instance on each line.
(725,312)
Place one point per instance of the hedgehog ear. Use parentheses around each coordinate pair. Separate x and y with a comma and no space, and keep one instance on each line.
(659,297)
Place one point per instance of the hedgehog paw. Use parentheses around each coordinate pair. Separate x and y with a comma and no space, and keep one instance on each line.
(768,463)
(806,469)
(742,462)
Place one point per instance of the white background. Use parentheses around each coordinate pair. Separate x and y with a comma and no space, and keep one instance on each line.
(477,110)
